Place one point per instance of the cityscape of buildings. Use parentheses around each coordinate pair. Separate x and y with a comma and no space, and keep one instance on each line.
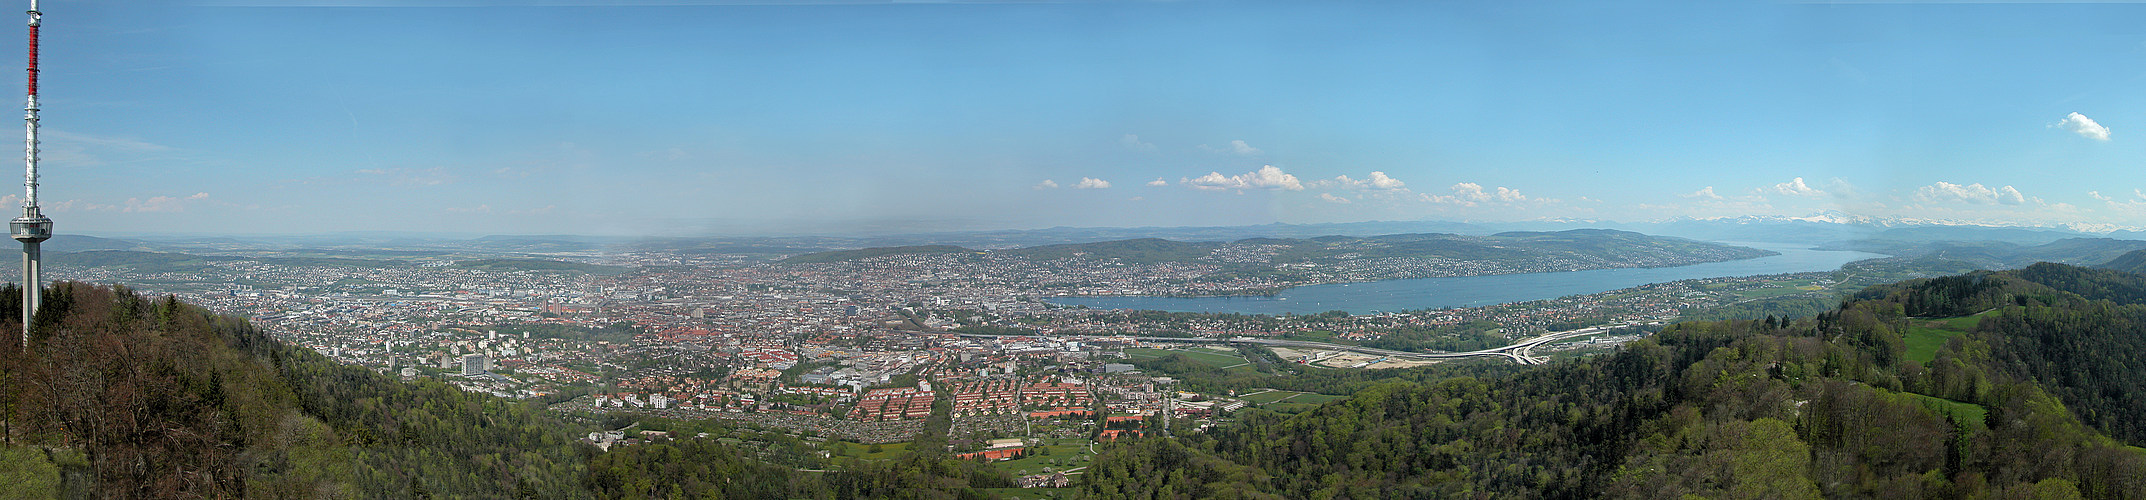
(859,349)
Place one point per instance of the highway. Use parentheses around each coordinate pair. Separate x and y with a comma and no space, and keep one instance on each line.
(1519,352)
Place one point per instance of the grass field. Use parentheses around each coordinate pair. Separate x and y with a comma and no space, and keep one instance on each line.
(1968,413)
(1313,398)
(1289,408)
(863,451)
(1266,397)
(1271,397)
(1244,368)
(1066,453)
(1225,355)
(1926,336)
(1201,356)
(1791,287)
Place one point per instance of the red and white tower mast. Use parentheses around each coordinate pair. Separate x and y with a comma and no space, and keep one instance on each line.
(32,228)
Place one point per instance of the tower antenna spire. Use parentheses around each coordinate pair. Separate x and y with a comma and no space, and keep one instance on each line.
(32,228)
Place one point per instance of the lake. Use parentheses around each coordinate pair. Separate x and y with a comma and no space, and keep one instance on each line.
(1474,291)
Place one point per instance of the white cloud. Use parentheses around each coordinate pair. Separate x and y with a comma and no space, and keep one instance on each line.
(1971,193)
(1336,199)
(1706,193)
(1236,147)
(1378,181)
(1474,192)
(1046,184)
(1158,182)
(1133,142)
(1211,181)
(2085,127)
(1267,177)
(2137,201)
(153,204)
(1841,189)
(1470,194)
(2136,194)
(1797,187)
(1091,183)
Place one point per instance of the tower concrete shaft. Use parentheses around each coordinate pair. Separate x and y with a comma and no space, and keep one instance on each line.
(32,228)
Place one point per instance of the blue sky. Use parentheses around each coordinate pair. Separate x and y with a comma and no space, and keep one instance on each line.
(688,117)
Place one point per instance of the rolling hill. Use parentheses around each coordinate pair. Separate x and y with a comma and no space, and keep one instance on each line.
(1581,248)
(866,253)
(2133,262)
(2037,398)
(1138,251)
(2000,254)
(539,265)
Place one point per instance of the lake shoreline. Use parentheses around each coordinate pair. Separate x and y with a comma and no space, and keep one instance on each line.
(1478,290)
(1270,292)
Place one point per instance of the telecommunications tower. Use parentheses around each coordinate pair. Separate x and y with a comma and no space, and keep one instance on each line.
(32,228)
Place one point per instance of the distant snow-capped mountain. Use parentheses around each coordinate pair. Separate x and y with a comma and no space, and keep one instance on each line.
(1835,217)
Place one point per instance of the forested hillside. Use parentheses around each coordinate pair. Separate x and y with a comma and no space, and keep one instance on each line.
(2134,262)
(123,396)
(2021,404)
